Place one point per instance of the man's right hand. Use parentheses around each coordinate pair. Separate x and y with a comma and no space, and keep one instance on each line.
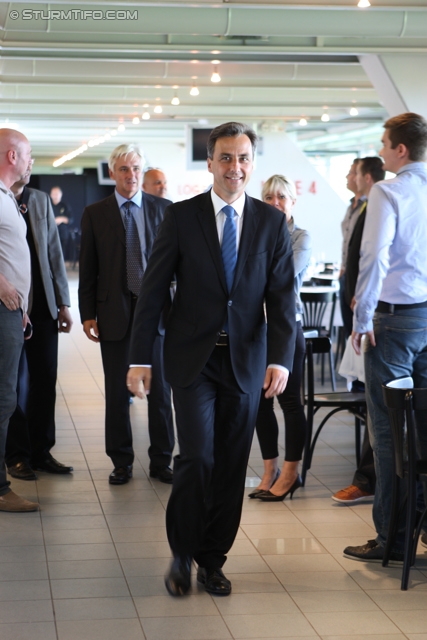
(8,294)
(90,327)
(135,376)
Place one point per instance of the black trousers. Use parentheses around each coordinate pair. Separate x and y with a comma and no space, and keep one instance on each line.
(118,431)
(291,403)
(364,477)
(31,432)
(215,423)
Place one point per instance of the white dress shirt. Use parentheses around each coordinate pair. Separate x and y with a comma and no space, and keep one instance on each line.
(393,253)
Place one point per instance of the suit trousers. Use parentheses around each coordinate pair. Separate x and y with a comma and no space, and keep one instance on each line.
(160,420)
(118,431)
(31,433)
(215,423)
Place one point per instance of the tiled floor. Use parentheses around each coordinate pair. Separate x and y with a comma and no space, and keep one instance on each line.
(90,565)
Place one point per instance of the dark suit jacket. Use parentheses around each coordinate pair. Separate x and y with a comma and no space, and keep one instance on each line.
(103,291)
(49,252)
(353,257)
(187,244)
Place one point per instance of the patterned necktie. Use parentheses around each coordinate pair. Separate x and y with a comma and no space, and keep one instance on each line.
(134,270)
(229,247)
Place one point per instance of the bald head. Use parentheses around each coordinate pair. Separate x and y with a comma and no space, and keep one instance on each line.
(15,157)
(155,183)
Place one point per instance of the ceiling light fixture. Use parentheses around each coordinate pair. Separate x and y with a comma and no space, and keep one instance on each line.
(194,91)
(215,77)
(70,156)
(175,101)
(303,122)
(363,4)
(325,117)
(145,115)
(158,108)
(135,120)
(121,128)
(354,111)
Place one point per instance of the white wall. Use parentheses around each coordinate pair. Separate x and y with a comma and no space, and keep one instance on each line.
(319,209)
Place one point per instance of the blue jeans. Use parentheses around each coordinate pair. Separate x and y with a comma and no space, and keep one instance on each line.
(401,350)
(11,342)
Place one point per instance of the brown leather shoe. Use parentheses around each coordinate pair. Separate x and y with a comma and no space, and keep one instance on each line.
(14,503)
(352,494)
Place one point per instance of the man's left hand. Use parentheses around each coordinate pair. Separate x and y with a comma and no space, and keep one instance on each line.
(65,321)
(275,382)
(356,340)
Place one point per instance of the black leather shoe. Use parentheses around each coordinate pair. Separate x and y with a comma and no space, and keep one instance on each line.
(50,465)
(178,580)
(214,581)
(164,474)
(120,475)
(22,471)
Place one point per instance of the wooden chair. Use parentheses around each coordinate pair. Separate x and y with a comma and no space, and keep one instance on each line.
(335,402)
(403,403)
(315,305)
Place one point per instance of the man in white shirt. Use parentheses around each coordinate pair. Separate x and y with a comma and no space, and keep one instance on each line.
(15,280)
(391,300)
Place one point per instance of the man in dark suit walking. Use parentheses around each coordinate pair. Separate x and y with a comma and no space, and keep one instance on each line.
(117,238)
(228,261)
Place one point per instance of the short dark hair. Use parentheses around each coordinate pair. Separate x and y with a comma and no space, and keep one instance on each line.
(230,130)
(374,166)
(409,129)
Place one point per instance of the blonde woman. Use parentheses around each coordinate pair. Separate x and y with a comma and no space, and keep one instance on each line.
(276,484)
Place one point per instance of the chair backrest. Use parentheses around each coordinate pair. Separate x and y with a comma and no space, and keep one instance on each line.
(313,345)
(402,401)
(314,308)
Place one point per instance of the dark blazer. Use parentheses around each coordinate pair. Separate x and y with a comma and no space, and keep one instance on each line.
(187,245)
(103,291)
(353,257)
(49,252)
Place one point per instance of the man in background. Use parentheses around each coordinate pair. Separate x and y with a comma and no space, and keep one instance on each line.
(31,433)
(369,171)
(155,183)
(64,220)
(391,303)
(117,237)
(15,279)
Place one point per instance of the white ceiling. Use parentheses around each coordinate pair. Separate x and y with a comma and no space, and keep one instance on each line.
(75,76)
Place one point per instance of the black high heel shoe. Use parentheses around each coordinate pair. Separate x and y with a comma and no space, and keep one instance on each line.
(267,496)
(259,492)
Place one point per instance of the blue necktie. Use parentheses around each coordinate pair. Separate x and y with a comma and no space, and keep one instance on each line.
(229,246)
(134,270)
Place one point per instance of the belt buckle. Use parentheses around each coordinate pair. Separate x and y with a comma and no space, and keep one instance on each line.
(222,339)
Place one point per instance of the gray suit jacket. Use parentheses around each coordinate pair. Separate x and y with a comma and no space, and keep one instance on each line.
(49,252)
(103,290)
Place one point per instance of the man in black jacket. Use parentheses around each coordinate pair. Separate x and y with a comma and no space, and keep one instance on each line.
(369,170)
(231,255)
